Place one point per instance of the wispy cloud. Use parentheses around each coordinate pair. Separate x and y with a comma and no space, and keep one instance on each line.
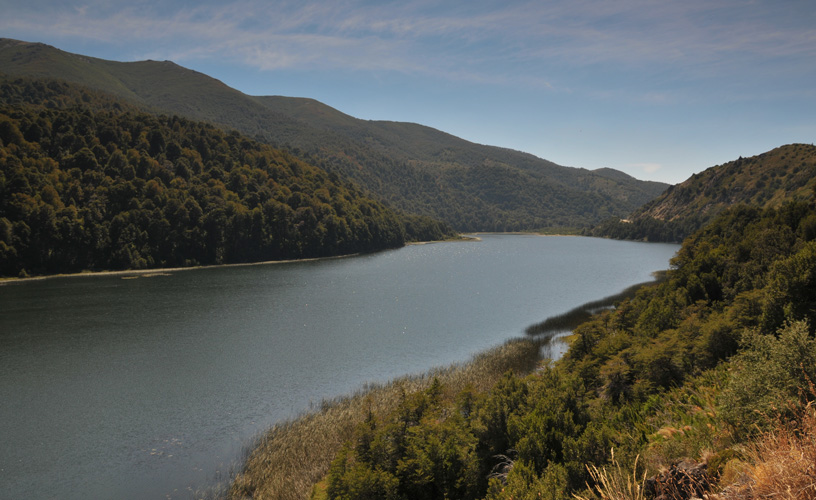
(648,168)
(473,41)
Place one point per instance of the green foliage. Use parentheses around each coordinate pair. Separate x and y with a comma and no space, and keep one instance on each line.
(358,480)
(679,369)
(769,377)
(523,483)
(790,292)
(646,228)
(420,451)
(102,186)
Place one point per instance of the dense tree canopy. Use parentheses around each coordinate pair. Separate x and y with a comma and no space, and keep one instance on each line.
(87,183)
(411,167)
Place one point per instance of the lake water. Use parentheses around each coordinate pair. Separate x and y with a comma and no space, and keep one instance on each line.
(152,387)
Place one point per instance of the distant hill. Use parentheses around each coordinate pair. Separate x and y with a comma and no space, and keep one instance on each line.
(766,181)
(412,167)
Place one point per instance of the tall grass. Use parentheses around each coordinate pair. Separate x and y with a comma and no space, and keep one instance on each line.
(615,483)
(293,456)
(687,422)
(782,463)
(574,317)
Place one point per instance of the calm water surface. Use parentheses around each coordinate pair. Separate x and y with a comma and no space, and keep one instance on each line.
(151,387)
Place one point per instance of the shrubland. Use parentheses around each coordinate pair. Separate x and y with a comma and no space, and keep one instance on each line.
(714,365)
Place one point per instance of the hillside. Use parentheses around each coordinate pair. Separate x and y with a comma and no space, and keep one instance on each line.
(765,181)
(88,182)
(702,382)
(414,168)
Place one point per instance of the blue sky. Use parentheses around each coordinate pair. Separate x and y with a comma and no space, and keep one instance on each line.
(657,89)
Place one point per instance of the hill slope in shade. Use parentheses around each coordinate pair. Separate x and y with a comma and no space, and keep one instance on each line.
(766,181)
(414,168)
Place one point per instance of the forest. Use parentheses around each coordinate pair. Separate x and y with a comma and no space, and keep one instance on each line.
(90,183)
(709,366)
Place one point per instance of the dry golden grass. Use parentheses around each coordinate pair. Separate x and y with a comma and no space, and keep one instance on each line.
(782,464)
(615,484)
(292,457)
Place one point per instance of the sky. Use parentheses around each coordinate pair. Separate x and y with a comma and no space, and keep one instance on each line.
(659,89)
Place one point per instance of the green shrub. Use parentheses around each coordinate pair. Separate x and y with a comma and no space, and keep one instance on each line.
(768,376)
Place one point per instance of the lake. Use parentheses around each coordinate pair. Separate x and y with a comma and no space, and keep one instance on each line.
(152,386)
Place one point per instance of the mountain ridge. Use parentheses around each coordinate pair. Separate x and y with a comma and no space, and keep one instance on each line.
(412,167)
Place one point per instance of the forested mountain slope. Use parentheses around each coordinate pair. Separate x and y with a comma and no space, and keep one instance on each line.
(415,168)
(509,189)
(88,182)
(767,180)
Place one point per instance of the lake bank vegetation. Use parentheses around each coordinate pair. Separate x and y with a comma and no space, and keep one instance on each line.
(90,183)
(701,383)
(292,457)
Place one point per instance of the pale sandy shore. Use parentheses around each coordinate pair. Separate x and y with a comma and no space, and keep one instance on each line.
(159,271)
(524,233)
(164,271)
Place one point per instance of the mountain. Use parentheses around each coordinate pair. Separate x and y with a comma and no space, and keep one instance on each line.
(412,167)
(89,182)
(767,180)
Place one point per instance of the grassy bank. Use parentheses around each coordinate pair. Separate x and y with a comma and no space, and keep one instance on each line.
(582,313)
(292,457)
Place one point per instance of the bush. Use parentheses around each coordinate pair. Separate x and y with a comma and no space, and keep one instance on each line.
(766,377)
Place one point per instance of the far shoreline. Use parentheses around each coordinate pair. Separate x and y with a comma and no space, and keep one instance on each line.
(159,271)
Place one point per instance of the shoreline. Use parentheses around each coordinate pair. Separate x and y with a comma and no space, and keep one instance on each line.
(274,460)
(162,271)
(159,271)
(268,463)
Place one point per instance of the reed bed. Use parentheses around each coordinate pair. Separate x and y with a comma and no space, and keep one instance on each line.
(574,317)
(290,458)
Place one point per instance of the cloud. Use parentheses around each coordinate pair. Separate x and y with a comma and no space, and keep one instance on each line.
(538,42)
(648,168)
